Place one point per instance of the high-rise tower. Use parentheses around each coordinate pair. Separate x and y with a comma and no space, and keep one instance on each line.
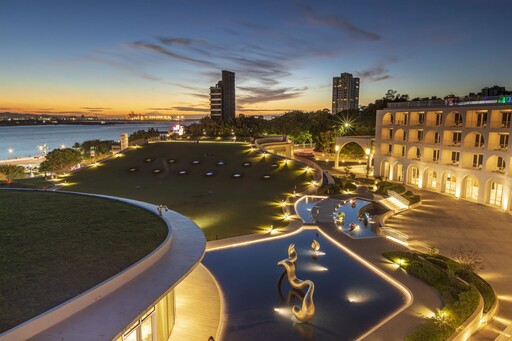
(222,97)
(345,93)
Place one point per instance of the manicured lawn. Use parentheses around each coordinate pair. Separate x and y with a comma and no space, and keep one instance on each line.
(223,206)
(54,246)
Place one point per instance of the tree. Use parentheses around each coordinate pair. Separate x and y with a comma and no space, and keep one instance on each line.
(467,258)
(12,172)
(59,161)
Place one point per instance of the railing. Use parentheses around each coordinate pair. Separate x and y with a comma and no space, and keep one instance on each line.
(398,197)
(394,234)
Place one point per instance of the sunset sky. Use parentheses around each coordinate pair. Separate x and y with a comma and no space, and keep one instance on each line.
(113,57)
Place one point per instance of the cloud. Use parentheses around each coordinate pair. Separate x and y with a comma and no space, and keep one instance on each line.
(160,109)
(162,50)
(263,94)
(191,108)
(340,23)
(93,108)
(181,41)
(379,71)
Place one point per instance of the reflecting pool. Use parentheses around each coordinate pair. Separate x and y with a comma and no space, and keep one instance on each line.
(349,297)
(357,222)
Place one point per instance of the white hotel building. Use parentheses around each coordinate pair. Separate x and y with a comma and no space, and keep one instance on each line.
(460,149)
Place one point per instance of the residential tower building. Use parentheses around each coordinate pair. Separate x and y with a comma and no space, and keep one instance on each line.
(345,93)
(222,97)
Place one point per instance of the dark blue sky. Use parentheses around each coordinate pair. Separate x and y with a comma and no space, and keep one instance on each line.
(116,56)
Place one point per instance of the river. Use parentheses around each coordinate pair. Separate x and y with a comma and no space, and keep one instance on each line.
(23,141)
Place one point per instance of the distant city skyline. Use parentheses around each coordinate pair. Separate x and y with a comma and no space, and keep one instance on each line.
(110,58)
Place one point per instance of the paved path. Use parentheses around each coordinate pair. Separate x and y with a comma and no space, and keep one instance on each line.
(447,223)
(198,289)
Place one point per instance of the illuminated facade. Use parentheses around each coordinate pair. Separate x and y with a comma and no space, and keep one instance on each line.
(460,149)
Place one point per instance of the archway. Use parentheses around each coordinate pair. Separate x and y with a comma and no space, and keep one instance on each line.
(453,119)
(384,169)
(449,183)
(414,153)
(400,135)
(387,119)
(413,175)
(494,192)
(430,179)
(470,186)
(398,172)
(495,164)
(474,140)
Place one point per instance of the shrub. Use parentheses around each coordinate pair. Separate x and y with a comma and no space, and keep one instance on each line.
(460,299)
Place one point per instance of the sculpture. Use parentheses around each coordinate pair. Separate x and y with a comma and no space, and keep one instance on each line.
(315,245)
(307,310)
(292,254)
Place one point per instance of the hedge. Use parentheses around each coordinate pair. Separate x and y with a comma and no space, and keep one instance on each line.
(460,299)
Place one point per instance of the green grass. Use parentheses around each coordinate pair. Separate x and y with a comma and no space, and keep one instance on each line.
(221,205)
(28,183)
(54,246)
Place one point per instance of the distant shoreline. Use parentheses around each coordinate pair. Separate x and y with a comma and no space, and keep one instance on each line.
(17,123)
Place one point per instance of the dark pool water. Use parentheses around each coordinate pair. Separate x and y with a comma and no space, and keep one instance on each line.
(349,298)
(364,227)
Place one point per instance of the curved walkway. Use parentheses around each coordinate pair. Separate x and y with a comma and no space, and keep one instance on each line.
(448,223)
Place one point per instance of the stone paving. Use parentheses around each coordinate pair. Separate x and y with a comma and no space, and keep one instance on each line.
(448,223)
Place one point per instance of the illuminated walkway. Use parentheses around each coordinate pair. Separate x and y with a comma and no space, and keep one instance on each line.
(198,307)
(447,224)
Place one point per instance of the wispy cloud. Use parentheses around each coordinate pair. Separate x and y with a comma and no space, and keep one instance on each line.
(95,108)
(379,71)
(262,95)
(167,52)
(339,23)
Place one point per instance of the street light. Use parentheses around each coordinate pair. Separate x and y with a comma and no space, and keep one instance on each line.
(337,156)
(367,152)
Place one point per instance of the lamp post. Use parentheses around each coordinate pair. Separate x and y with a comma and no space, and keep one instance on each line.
(367,152)
(337,156)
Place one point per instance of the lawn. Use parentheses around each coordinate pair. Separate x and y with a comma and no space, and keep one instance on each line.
(222,205)
(54,246)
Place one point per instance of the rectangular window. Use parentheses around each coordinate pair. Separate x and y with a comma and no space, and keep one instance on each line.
(405,136)
(481,119)
(458,119)
(437,138)
(438,119)
(435,155)
(456,138)
(455,157)
(477,160)
(390,134)
(479,141)
(503,141)
(403,150)
(390,149)
(421,118)
(420,135)
(505,119)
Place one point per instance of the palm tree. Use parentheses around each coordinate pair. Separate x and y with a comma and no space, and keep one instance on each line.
(12,172)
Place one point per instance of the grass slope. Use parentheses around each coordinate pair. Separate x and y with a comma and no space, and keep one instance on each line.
(54,246)
(221,205)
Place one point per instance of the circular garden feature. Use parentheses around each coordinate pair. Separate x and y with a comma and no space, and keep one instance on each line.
(64,245)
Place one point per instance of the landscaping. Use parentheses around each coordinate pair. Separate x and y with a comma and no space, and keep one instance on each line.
(239,197)
(460,296)
(55,246)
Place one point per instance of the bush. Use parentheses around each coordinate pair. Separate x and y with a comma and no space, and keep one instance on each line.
(483,287)
(460,299)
